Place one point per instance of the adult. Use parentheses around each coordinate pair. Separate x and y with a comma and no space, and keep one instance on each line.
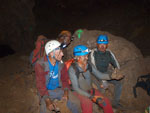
(80,76)
(48,78)
(101,58)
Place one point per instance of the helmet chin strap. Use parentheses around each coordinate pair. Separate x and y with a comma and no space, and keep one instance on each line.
(53,63)
(54,54)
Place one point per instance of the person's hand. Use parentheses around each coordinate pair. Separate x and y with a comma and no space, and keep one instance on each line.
(98,100)
(116,75)
(120,76)
(49,104)
(65,96)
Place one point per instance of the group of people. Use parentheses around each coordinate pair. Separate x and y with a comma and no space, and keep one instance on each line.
(86,64)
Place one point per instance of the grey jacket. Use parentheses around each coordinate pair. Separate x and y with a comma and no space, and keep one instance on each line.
(76,83)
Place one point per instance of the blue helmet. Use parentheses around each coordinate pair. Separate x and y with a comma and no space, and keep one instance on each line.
(102,39)
(80,50)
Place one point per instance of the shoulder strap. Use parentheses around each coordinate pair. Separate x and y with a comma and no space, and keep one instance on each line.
(42,51)
(77,70)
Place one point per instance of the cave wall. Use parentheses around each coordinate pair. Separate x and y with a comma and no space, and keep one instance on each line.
(17,24)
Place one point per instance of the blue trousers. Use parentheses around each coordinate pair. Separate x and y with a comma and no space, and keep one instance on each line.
(116,83)
(117,90)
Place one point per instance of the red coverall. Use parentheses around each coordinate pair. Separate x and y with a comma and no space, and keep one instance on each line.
(86,103)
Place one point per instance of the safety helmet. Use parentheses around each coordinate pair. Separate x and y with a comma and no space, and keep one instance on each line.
(80,50)
(102,39)
(51,45)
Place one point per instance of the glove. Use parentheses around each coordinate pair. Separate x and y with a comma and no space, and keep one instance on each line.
(94,98)
(98,100)
(116,75)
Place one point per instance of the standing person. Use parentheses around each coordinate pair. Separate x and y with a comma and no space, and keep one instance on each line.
(80,76)
(48,78)
(101,57)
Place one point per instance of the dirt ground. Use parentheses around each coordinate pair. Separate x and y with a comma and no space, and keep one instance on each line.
(128,20)
(17,85)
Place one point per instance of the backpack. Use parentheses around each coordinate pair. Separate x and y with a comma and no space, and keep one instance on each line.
(66,82)
(143,82)
(39,50)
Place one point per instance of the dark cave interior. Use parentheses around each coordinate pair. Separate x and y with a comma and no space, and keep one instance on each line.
(129,19)
(6,50)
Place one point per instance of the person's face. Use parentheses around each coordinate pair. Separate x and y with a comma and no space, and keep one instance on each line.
(58,54)
(83,59)
(67,39)
(102,47)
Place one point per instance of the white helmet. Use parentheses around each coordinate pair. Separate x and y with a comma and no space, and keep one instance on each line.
(51,45)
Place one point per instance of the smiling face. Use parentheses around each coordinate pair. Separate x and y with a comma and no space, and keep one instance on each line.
(65,37)
(57,54)
(83,59)
(102,47)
